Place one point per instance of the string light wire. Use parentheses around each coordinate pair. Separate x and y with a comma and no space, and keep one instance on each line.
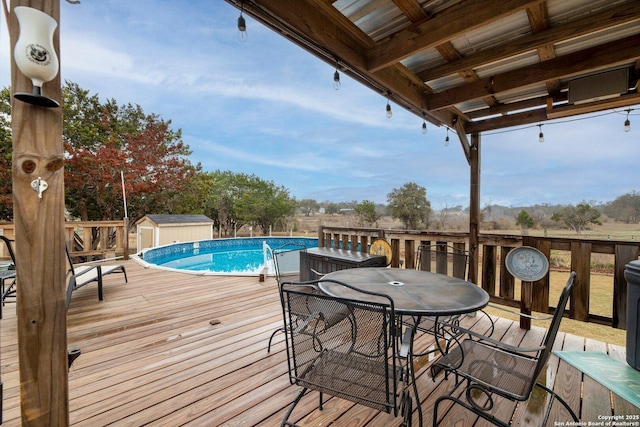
(577,119)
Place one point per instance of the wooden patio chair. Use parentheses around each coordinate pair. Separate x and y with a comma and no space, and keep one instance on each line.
(485,367)
(355,359)
(8,276)
(84,274)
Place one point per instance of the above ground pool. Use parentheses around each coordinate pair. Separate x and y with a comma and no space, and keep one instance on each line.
(242,256)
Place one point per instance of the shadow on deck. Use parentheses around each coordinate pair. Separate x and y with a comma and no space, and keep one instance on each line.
(170,349)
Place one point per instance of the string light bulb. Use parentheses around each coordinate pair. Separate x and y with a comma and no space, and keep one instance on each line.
(627,123)
(424,124)
(389,112)
(242,26)
(336,78)
(540,135)
(446,140)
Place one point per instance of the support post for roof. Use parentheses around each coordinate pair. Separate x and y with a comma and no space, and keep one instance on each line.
(474,206)
(39,233)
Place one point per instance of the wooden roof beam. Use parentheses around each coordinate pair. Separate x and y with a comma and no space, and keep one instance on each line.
(607,104)
(539,22)
(517,119)
(544,114)
(302,16)
(411,9)
(612,17)
(459,127)
(526,104)
(456,21)
(578,63)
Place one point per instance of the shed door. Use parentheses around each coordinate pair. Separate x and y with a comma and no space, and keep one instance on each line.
(145,236)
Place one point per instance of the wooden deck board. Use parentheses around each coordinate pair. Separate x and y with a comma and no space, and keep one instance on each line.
(170,349)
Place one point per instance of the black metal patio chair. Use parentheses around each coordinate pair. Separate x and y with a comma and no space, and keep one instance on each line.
(284,257)
(451,261)
(355,359)
(441,253)
(8,276)
(485,367)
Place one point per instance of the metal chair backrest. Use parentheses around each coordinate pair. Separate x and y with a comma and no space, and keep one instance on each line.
(7,242)
(354,358)
(286,258)
(552,332)
(443,253)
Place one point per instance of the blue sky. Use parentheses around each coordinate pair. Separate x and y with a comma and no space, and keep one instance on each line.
(268,108)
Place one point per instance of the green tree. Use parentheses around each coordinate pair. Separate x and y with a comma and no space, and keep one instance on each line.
(578,217)
(409,204)
(625,208)
(366,213)
(6,194)
(197,195)
(308,206)
(265,204)
(525,220)
(225,189)
(331,208)
(233,200)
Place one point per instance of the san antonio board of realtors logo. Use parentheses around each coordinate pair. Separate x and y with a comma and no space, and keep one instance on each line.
(38,54)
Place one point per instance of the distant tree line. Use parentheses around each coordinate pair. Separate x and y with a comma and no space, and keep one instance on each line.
(410,205)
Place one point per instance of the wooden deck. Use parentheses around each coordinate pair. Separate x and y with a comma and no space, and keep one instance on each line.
(171,349)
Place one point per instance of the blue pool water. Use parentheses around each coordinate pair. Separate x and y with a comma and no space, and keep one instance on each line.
(238,256)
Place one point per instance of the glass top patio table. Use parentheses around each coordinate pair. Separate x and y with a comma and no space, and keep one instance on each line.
(414,292)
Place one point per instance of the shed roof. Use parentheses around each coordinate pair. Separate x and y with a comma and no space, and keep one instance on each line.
(471,65)
(177,219)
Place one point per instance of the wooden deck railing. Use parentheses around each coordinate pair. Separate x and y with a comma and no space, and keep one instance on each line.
(97,239)
(494,277)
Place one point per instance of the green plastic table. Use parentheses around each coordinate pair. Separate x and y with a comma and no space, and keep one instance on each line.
(615,375)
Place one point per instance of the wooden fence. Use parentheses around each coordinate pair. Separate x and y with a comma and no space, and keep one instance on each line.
(89,239)
(494,277)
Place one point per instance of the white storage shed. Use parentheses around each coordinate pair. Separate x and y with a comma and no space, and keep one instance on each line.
(159,230)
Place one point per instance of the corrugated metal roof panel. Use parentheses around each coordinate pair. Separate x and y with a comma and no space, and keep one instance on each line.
(563,11)
(473,105)
(445,83)
(377,18)
(508,64)
(510,27)
(522,93)
(423,60)
(598,38)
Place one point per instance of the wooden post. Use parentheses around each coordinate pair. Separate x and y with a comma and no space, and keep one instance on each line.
(474,206)
(39,234)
